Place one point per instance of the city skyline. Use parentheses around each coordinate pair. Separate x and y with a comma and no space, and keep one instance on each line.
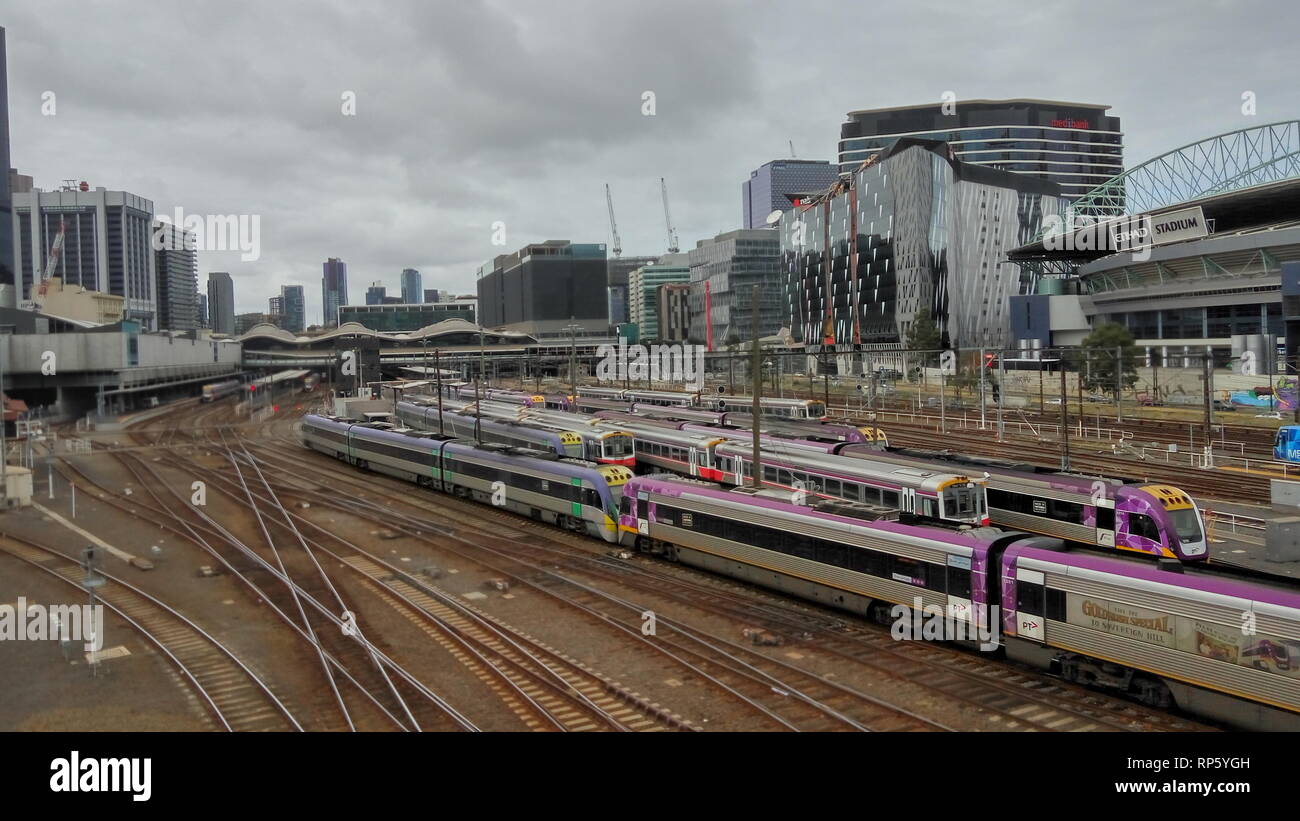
(427,202)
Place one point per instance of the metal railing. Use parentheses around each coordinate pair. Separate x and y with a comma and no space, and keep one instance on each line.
(1236,520)
(965,421)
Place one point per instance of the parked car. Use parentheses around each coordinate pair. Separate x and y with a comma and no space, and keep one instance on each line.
(1222,405)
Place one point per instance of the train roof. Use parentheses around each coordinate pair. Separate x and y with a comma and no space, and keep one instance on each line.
(741,498)
(857,467)
(501,454)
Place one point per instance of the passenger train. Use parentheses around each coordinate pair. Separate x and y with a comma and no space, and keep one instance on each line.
(517,425)
(571,493)
(1154,519)
(1166,638)
(220,390)
(768,407)
(1168,635)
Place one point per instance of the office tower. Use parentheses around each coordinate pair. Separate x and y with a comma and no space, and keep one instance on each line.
(334,290)
(221,302)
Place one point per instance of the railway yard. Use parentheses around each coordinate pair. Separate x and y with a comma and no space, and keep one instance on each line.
(252,584)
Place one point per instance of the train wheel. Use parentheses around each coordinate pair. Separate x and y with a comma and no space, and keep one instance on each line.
(1153,693)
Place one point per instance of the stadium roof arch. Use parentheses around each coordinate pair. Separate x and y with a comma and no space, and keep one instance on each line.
(1247,179)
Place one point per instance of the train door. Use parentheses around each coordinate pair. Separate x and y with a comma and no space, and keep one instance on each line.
(693,461)
(643,512)
(1030,604)
(909,500)
(1105,511)
(959,589)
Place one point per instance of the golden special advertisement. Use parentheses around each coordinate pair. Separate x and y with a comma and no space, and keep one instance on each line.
(1121,619)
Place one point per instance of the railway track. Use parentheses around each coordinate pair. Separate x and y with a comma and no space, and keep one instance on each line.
(1025,701)
(237,698)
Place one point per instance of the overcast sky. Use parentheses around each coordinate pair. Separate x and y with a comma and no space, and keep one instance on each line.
(469,112)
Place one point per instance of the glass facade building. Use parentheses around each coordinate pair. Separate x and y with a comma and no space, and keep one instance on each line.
(334,290)
(916,230)
(643,291)
(724,271)
(1076,145)
(772,185)
(411,290)
(177,268)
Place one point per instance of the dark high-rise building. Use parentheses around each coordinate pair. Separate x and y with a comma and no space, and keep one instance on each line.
(914,231)
(334,290)
(431,295)
(176,265)
(774,186)
(6,195)
(541,288)
(293,302)
(1076,145)
(376,293)
(411,291)
(221,302)
(674,307)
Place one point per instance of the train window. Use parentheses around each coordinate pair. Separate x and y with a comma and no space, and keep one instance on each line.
(1105,518)
(1071,512)
(786,477)
(591,498)
(1143,526)
(928,507)
(625,506)
(908,571)
(832,554)
(770,473)
(889,498)
(1055,605)
(800,546)
(832,487)
(959,582)
(871,562)
(1029,598)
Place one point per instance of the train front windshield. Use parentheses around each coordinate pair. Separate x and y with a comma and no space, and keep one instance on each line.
(1188,525)
(617,447)
(816,410)
(964,504)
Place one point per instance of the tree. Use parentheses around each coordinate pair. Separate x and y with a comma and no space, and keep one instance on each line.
(924,336)
(1099,349)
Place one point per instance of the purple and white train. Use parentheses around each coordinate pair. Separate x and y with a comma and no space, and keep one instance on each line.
(1169,635)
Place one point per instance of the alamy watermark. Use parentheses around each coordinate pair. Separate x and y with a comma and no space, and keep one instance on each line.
(59,622)
(679,364)
(210,232)
(931,622)
(1080,232)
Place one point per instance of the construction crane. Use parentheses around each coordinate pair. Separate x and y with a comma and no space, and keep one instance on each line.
(668,219)
(613,226)
(37,300)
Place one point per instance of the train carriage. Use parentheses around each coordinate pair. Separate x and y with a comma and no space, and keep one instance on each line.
(1158,520)
(1213,644)
(219,390)
(853,556)
(918,490)
(570,493)
(500,431)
